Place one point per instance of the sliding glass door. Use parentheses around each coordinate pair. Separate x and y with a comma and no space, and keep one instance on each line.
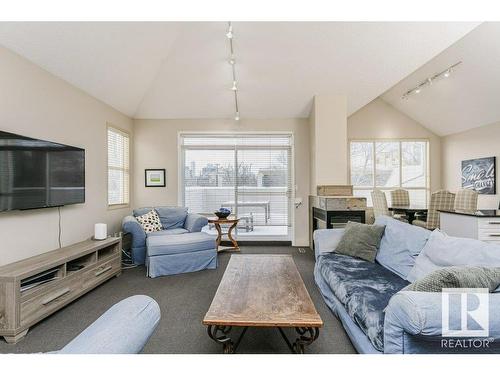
(250,174)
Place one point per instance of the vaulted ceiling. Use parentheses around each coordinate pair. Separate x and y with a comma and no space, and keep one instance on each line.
(180,70)
(469,97)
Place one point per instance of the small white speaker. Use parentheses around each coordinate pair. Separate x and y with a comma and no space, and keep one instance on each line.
(100,231)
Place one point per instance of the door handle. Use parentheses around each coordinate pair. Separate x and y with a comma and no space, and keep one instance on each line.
(101,271)
(55,296)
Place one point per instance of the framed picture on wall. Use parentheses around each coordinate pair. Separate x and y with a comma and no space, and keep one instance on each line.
(155,178)
(479,175)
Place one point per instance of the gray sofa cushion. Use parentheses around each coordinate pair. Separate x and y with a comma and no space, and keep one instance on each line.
(458,277)
(179,243)
(364,288)
(360,240)
(172,217)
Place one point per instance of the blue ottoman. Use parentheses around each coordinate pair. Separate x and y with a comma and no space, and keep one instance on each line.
(174,254)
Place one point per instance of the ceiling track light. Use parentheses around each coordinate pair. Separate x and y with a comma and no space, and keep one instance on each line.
(229,33)
(429,81)
(232,62)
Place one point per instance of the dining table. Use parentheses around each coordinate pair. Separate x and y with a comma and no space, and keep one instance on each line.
(410,211)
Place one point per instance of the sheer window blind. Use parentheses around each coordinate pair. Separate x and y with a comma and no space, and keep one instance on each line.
(251,174)
(118,167)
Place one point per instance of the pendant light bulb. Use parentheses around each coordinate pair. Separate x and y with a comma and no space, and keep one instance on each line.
(237,116)
(229,33)
(235,87)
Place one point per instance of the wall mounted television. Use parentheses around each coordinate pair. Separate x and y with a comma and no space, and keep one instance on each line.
(37,174)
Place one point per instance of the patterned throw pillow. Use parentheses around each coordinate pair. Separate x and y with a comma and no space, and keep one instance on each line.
(150,222)
(457,277)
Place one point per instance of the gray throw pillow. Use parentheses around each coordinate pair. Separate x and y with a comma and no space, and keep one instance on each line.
(361,240)
(458,277)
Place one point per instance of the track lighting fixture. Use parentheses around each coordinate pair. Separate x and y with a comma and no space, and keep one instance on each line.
(430,80)
(229,33)
(232,62)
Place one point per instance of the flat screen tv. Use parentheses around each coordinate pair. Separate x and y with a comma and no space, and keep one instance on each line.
(37,174)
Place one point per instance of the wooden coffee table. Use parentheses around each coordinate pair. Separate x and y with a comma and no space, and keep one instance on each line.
(262,291)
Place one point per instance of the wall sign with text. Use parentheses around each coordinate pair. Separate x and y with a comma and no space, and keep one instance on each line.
(479,175)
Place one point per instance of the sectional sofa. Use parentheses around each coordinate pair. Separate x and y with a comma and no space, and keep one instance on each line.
(376,314)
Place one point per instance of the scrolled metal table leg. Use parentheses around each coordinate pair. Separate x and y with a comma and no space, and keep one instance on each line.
(219,335)
(307,335)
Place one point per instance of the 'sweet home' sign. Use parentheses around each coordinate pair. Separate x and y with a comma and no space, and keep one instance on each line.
(479,175)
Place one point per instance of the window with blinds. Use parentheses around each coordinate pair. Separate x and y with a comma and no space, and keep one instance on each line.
(389,165)
(118,167)
(248,173)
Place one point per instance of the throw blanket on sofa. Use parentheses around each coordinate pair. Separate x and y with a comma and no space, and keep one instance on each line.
(364,288)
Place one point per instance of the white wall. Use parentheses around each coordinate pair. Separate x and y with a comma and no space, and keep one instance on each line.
(380,120)
(156,147)
(475,143)
(36,104)
(328,141)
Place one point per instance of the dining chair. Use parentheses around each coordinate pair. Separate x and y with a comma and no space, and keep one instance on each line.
(400,197)
(466,200)
(440,200)
(379,201)
(380,207)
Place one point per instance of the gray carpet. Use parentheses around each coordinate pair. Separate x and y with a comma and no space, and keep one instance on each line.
(184,300)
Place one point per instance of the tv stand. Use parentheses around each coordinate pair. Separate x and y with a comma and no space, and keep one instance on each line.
(34,288)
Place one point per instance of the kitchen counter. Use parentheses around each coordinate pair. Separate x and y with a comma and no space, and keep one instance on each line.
(481,225)
(478,213)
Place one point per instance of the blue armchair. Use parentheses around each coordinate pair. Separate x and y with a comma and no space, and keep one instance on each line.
(180,247)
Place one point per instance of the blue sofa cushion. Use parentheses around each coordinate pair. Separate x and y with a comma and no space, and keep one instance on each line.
(364,288)
(184,243)
(141,211)
(445,251)
(400,245)
(168,232)
(172,217)
(124,329)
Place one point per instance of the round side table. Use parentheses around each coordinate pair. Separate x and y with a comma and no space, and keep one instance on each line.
(217,223)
